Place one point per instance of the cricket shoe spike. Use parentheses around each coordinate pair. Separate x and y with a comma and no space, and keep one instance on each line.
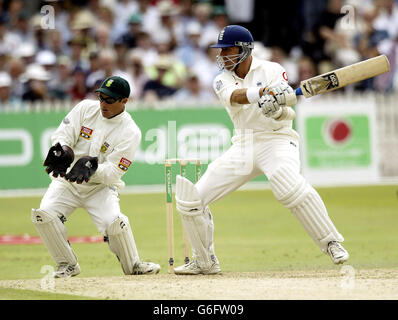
(192,268)
(66,270)
(337,253)
(145,268)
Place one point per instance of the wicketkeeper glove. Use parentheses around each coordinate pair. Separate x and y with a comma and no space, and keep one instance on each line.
(83,169)
(58,160)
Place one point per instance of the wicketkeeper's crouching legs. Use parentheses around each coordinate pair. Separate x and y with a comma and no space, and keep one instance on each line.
(121,242)
(53,234)
(294,192)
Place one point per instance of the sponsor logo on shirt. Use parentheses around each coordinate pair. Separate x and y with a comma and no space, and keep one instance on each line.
(86,133)
(104,147)
(259,84)
(124,164)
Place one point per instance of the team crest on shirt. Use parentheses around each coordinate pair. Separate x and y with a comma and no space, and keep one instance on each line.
(259,84)
(86,133)
(104,147)
(124,164)
(219,85)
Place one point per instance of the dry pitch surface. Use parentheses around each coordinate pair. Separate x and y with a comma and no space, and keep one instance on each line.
(309,285)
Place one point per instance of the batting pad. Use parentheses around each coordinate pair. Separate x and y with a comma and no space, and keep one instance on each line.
(121,243)
(53,234)
(291,189)
(196,223)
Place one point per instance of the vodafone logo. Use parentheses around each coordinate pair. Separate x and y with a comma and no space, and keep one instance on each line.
(338,132)
(284,75)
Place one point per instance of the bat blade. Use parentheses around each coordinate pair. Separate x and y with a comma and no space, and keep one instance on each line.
(342,77)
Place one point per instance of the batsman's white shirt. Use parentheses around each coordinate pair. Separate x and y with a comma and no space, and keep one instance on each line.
(249,116)
(114,141)
(260,144)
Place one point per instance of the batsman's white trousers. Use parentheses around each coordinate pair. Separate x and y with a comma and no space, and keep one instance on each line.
(278,158)
(102,206)
(246,159)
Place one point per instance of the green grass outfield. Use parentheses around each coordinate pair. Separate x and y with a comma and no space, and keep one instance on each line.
(253,232)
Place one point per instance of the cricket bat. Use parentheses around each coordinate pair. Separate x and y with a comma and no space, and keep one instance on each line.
(340,78)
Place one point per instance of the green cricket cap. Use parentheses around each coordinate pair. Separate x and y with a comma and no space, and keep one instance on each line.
(115,87)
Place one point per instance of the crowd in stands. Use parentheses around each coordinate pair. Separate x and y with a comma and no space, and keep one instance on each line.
(162,46)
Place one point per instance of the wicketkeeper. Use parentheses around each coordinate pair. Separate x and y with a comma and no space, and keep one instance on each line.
(92,149)
(255,94)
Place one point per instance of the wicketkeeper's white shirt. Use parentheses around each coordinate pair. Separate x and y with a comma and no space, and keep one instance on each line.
(114,141)
(249,116)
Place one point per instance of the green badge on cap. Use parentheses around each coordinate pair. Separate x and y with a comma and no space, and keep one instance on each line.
(115,87)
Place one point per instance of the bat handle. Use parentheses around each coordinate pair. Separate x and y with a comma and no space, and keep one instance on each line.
(299,92)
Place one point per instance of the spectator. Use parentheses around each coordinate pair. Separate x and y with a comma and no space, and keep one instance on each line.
(155,88)
(22,28)
(306,68)
(78,91)
(61,83)
(82,25)
(26,52)
(149,15)
(206,69)
(35,79)
(108,67)
(129,38)
(137,72)
(314,46)
(191,52)
(192,93)
(146,49)
(94,73)
(102,37)
(9,42)
(3,59)
(76,48)
(169,23)
(6,97)
(55,43)
(121,54)
(280,56)
(210,31)
(16,68)
(123,9)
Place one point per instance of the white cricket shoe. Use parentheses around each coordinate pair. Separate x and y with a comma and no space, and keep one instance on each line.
(146,268)
(66,270)
(337,253)
(192,268)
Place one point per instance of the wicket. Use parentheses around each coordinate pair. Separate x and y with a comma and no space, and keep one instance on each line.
(183,163)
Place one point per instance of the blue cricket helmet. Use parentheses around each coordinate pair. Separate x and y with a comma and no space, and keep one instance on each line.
(234,36)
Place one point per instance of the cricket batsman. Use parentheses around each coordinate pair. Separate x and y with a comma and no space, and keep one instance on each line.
(92,149)
(255,93)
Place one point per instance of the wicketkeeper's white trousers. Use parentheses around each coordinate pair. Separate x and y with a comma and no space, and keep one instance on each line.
(102,206)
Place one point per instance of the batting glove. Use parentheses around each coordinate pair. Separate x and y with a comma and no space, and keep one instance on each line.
(270,106)
(281,92)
